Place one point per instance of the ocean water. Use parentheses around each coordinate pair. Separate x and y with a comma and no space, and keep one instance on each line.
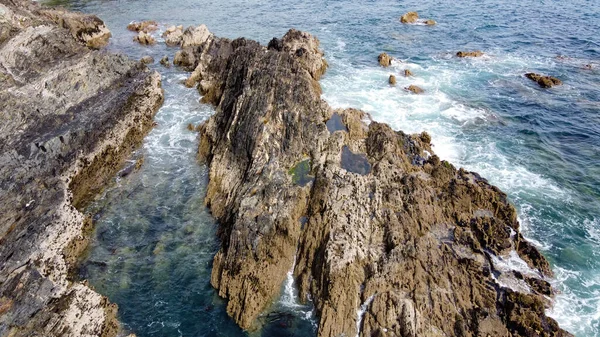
(154,239)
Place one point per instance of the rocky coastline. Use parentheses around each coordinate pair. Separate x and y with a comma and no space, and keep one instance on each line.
(381,235)
(70,117)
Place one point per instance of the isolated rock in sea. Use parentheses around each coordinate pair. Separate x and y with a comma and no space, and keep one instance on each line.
(147,59)
(165,61)
(430,22)
(173,35)
(414,89)
(384,59)
(144,26)
(70,117)
(370,216)
(410,17)
(475,53)
(144,38)
(392,80)
(544,81)
(407,73)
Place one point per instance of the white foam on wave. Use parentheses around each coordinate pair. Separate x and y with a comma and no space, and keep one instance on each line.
(577,311)
(446,119)
(360,313)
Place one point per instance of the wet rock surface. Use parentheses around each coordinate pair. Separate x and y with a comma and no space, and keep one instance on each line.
(543,81)
(71,115)
(410,239)
(384,60)
(475,53)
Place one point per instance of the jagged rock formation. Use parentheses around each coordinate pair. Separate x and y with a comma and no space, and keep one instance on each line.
(70,116)
(370,216)
(543,81)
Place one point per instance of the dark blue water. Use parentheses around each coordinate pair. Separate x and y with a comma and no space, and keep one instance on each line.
(154,239)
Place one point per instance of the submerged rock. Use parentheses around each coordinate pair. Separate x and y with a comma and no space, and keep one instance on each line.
(544,81)
(414,89)
(430,22)
(381,223)
(407,73)
(70,117)
(410,17)
(384,60)
(475,53)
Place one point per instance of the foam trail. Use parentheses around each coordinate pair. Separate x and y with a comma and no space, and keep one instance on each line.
(360,313)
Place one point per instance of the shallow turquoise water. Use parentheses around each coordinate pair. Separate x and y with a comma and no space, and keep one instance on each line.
(154,240)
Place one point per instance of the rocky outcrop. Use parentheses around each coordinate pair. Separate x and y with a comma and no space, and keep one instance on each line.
(544,81)
(365,216)
(384,60)
(173,35)
(407,73)
(475,53)
(410,17)
(70,117)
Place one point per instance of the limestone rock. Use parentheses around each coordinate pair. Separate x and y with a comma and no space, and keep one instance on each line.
(144,38)
(476,53)
(410,17)
(390,227)
(414,89)
(144,26)
(392,80)
(544,81)
(173,35)
(384,60)
(407,73)
(71,116)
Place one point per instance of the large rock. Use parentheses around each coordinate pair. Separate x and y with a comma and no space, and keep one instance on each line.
(369,215)
(70,116)
(543,81)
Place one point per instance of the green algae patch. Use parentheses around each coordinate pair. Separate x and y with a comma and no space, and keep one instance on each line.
(301,173)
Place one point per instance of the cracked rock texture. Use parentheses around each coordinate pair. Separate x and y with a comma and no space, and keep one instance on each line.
(370,215)
(70,116)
